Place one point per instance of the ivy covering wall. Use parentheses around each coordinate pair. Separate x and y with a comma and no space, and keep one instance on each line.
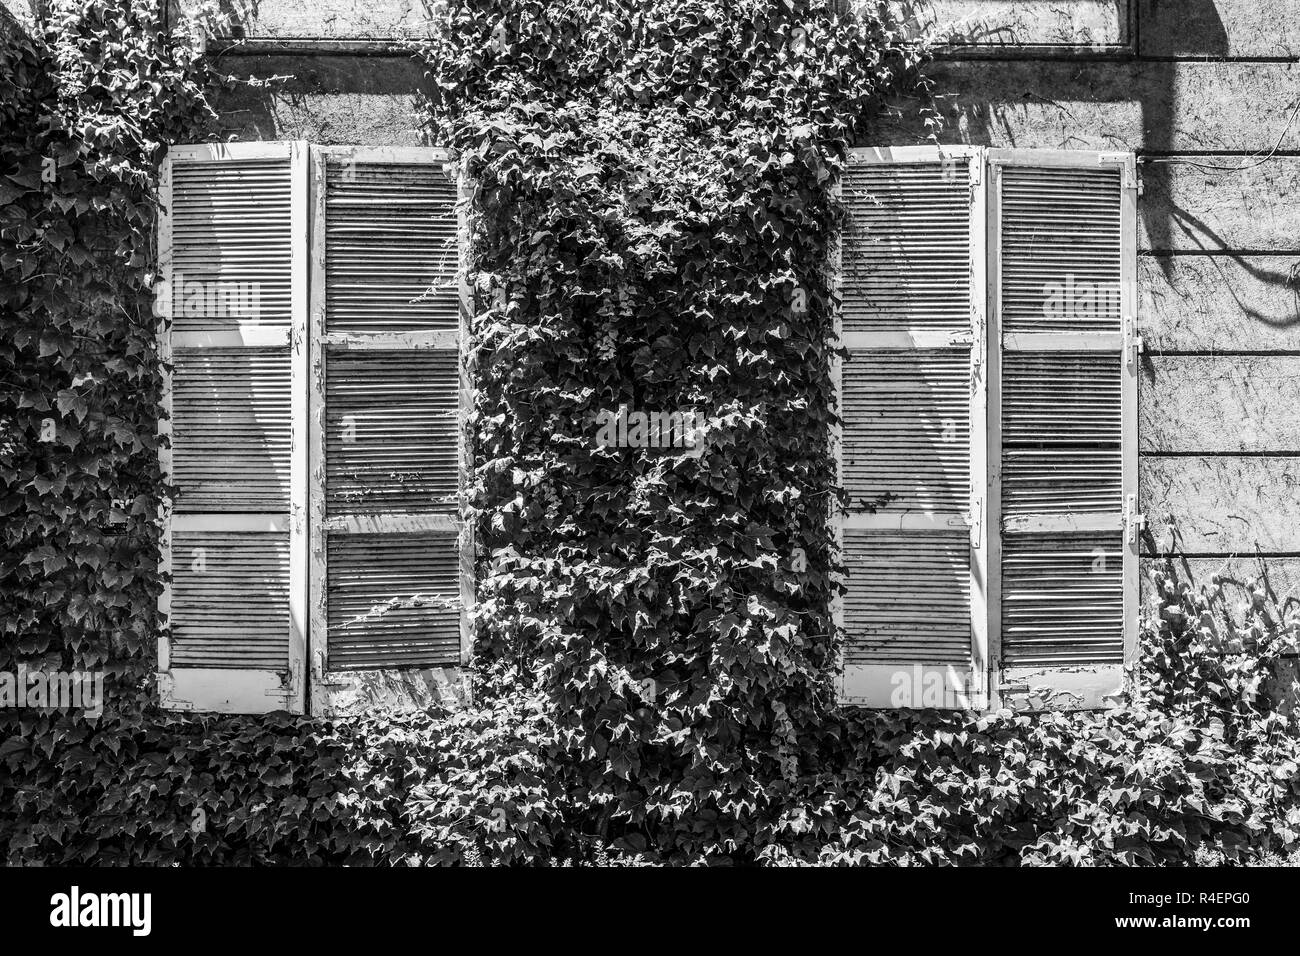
(654,654)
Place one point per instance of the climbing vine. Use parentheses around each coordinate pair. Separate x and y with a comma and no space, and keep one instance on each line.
(653,217)
(89,103)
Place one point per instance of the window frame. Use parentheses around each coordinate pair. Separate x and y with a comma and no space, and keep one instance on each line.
(238,690)
(871,685)
(1088,687)
(302,689)
(328,687)
(1096,686)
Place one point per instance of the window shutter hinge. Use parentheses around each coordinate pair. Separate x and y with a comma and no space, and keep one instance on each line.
(1132,519)
(1133,344)
(167,693)
(318,670)
(967,340)
(976,521)
(1128,169)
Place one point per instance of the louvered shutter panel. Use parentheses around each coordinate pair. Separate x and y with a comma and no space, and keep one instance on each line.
(390,587)
(232,241)
(912,407)
(1063,450)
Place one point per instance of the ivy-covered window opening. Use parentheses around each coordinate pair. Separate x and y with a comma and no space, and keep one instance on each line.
(311,348)
(989,444)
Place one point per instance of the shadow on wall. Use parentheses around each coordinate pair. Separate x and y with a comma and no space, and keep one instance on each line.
(1152,87)
(325,99)
(984,110)
(329,95)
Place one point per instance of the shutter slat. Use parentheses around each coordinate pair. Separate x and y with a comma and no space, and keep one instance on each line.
(907,429)
(231,223)
(906,255)
(391,255)
(1062,600)
(391,431)
(1061,243)
(230,600)
(394,600)
(1061,432)
(908,597)
(231,429)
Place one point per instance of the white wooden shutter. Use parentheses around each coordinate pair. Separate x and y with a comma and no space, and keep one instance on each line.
(232,243)
(389,585)
(1063,449)
(913,410)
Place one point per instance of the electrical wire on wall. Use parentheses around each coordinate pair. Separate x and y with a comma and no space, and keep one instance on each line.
(1259,161)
